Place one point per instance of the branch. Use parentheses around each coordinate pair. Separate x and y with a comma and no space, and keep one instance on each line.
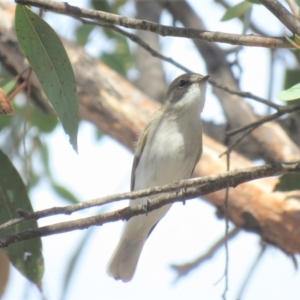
(293,6)
(134,38)
(177,192)
(103,117)
(281,110)
(281,13)
(185,269)
(251,271)
(120,110)
(155,53)
(246,95)
(212,181)
(237,112)
(234,39)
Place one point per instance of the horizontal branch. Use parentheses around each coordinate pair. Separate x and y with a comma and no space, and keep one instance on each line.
(175,192)
(220,37)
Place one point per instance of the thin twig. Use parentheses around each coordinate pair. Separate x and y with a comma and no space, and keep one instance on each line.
(185,269)
(246,95)
(138,40)
(282,110)
(226,230)
(155,53)
(230,148)
(221,37)
(282,14)
(252,269)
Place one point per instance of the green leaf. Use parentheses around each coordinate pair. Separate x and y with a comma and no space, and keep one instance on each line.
(297,39)
(101,5)
(25,256)
(121,59)
(298,2)
(45,157)
(288,182)
(9,86)
(292,42)
(236,11)
(108,6)
(82,34)
(5,120)
(291,77)
(254,1)
(292,93)
(65,193)
(50,62)
(44,122)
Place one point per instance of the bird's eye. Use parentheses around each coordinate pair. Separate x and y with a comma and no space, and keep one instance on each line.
(182,83)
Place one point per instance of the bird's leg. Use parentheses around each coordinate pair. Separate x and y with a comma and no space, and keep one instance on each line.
(146,206)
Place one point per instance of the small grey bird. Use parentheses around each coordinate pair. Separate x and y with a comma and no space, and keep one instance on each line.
(167,151)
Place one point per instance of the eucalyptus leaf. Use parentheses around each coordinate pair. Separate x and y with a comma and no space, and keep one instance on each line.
(291,77)
(236,11)
(292,93)
(288,182)
(254,1)
(101,5)
(9,86)
(50,62)
(5,121)
(121,60)
(292,42)
(44,122)
(25,256)
(82,34)
(297,39)
(65,193)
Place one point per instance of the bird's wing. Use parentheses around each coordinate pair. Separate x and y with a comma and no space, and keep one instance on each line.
(197,159)
(138,153)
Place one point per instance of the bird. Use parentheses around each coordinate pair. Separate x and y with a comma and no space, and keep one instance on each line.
(167,151)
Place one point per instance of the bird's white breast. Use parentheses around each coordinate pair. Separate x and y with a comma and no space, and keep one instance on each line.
(170,153)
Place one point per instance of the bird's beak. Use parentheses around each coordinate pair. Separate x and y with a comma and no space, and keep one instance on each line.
(204,78)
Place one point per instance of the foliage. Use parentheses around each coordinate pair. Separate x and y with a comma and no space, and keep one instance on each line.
(51,64)
(119,58)
(236,11)
(26,256)
(292,93)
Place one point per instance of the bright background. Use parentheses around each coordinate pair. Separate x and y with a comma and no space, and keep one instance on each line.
(103,167)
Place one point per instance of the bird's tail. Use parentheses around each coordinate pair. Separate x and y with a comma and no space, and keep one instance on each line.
(124,260)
